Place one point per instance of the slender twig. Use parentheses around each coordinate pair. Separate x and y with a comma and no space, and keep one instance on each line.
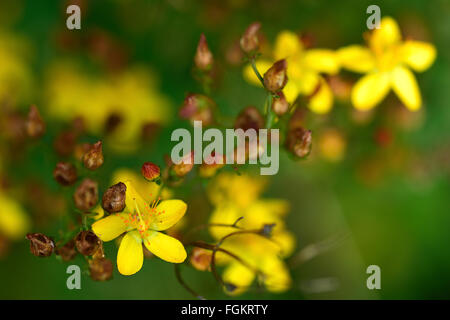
(181,281)
(255,69)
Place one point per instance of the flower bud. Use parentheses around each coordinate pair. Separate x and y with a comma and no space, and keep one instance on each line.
(100,269)
(298,141)
(65,173)
(185,166)
(150,171)
(249,40)
(87,243)
(67,252)
(275,78)
(35,126)
(86,195)
(80,150)
(203,57)
(40,244)
(114,198)
(201,259)
(197,107)
(280,105)
(249,118)
(93,159)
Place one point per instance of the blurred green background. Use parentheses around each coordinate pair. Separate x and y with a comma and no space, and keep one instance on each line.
(396,210)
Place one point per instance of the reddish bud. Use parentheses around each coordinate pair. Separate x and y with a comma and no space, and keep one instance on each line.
(276,78)
(150,171)
(35,126)
(201,259)
(203,57)
(185,166)
(250,40)
(279,104)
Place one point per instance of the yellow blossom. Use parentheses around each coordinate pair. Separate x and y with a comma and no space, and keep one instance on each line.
(387,62)
(14,223)
(237,196)
(142,221)
(304,68)
(130,95)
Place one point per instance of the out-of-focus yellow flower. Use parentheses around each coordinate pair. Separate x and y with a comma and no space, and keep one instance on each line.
(386,62)
(304,68)
(332,145)
(14,222)
(142,219)
(237,196)
(131,96)
(15,75)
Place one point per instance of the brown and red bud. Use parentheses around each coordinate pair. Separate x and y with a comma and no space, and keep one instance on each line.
(279,104)
(65,173)
(100,269)
(185,166)
(114,198)
(249,118)
(40,244)
(150,171)
(276,77)
(201,259)
(299,141)
(35,126)
(93,159)
(197,107)
(250,39)
(203,56)
(86,195)
(87,243)
(67,252)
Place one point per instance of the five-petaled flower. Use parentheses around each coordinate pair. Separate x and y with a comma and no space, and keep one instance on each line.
(142,221)
(385,62)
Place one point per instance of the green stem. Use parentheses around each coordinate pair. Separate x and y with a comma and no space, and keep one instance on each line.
(257,72)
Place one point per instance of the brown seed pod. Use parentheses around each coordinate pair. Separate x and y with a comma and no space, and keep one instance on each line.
(100,269)
(65,173)
(40,244)
(114,198)
(86,195)
(87,243)
(93,159)
(67,252)
(299,141)
(250,40)
(276,78)
(249,118)
(35,126)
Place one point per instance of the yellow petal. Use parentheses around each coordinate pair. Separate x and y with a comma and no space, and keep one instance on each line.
(322,60)
(370,90)
(277,277)
(168,213)
(14,222)
(238,275)
(418,55)
(291,91)
(388,35)
(321,101)
(286,242)
(250,76)
(111,227)
(224,214)
(165,247)
(147,190)
(405,86)
(356,58)
(131,255)
(287,44)
(278,207)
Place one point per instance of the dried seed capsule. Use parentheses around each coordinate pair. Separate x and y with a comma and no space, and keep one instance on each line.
(279,104)
(67,252)
(40,244)
(203,56)
(93,159)
(35,126)
(249,40)
(275,78)
(114,198)
(298,141)
(86,195)
(201,259)
(249,118)
(65,173)
(100,269)
(150,171)
(87,243)
(64,143)
(197,107)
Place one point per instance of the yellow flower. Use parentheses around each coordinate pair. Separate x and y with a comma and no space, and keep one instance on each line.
(131,96)
(386,62)
(14,223)
(304,68)
(237,196)
(142,220)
